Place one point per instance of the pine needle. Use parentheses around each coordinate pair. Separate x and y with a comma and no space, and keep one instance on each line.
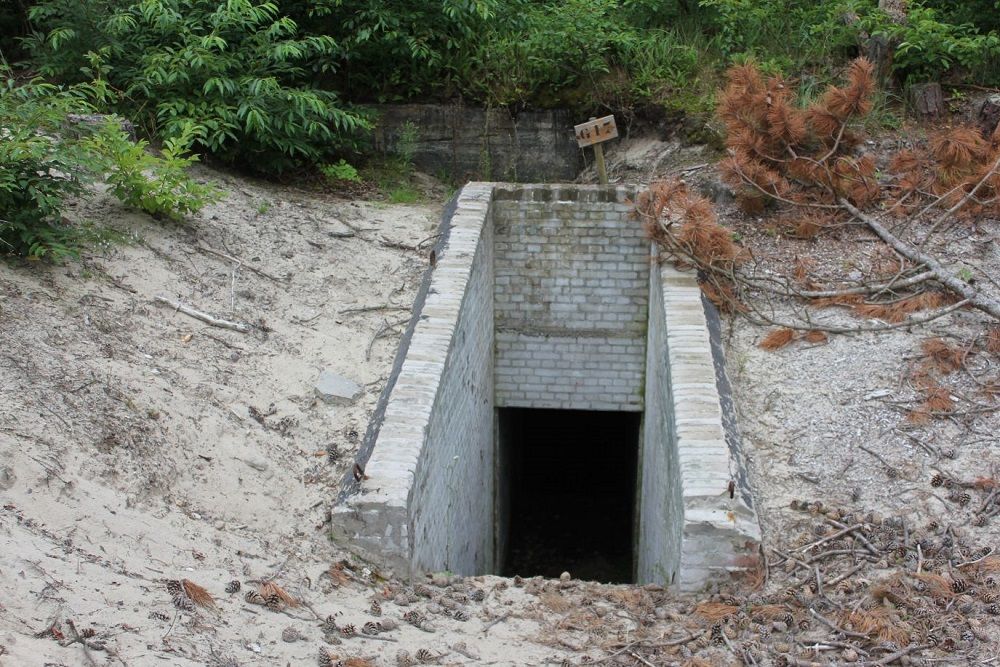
(815,337)
(993,340)
(777,339)
(198,595)
(269,588)
(942,356)
(715,611)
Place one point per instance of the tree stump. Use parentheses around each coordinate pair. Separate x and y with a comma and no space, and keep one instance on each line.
(927,100)
(988,114)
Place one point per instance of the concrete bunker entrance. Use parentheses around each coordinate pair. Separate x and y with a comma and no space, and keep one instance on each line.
(566,493)
(546,325)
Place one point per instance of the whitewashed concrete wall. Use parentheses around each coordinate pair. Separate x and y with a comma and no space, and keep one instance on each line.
(661,508)
(720,532)
(427,501)
(572,281)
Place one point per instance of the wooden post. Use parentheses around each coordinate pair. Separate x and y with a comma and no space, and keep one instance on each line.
(592,133)
(602,168)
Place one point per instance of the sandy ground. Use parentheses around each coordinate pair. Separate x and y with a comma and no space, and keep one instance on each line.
(139,446)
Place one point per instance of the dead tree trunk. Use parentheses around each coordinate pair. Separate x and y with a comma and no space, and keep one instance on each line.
(988,115)
(927,100)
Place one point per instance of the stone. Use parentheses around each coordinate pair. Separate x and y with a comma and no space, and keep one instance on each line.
(337,389)
(7,478)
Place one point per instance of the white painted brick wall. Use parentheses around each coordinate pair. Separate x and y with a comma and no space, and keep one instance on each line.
(453,492)
(427,502)
(571,291)
(720,534)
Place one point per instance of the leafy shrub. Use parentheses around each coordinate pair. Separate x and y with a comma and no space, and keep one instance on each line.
(43,162)
(402,49)
(159,186)
(340,171)
(237,70)
(928,47)
(38,172)
(791,34)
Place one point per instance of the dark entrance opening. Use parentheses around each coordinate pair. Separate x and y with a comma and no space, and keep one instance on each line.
(567,493)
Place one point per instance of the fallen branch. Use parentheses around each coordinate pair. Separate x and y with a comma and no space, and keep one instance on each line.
(383,331)
(217,253)
(395,245)
(500,619)
(204,317)
(372,309)
(893,657)
(989,306)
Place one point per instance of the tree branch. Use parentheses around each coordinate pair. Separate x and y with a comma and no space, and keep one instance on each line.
(941,274)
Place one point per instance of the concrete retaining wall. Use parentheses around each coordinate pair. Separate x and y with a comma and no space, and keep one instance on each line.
(504,324)
(661,508)
(476,144)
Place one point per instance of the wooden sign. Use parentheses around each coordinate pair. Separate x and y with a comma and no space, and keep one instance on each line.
(595,131)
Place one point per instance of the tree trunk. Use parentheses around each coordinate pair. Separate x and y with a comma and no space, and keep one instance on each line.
(988,115)
(879,48)
(927,100)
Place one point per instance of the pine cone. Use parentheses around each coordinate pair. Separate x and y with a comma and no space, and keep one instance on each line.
(387,625)
(233,586)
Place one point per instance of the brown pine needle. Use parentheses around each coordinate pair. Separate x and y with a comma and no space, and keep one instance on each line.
(777,339)
(715,611)
(198,595)
(269,588)
(815,337)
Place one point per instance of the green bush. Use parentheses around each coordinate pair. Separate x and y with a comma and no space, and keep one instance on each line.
(44,162)
(928,47)
(160,186)
(37,171)
(237,70)
(340,171)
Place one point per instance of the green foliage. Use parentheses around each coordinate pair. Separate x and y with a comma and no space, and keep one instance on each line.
(44,162)
(928,47)
(160,186)
(399,49)
(404,194)
(236,71)
(791,35)
(340,171)
(262,83)
(983,14)
(38,172)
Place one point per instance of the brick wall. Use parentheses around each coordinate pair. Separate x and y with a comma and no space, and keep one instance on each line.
(570,298)
(452,503)
(543,296)
(426,503)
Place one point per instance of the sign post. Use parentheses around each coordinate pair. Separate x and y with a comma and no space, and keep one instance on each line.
(593,133)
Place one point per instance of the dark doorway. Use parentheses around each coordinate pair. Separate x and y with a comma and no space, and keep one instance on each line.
(567,484)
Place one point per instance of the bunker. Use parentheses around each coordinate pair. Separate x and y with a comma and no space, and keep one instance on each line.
(558,402)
